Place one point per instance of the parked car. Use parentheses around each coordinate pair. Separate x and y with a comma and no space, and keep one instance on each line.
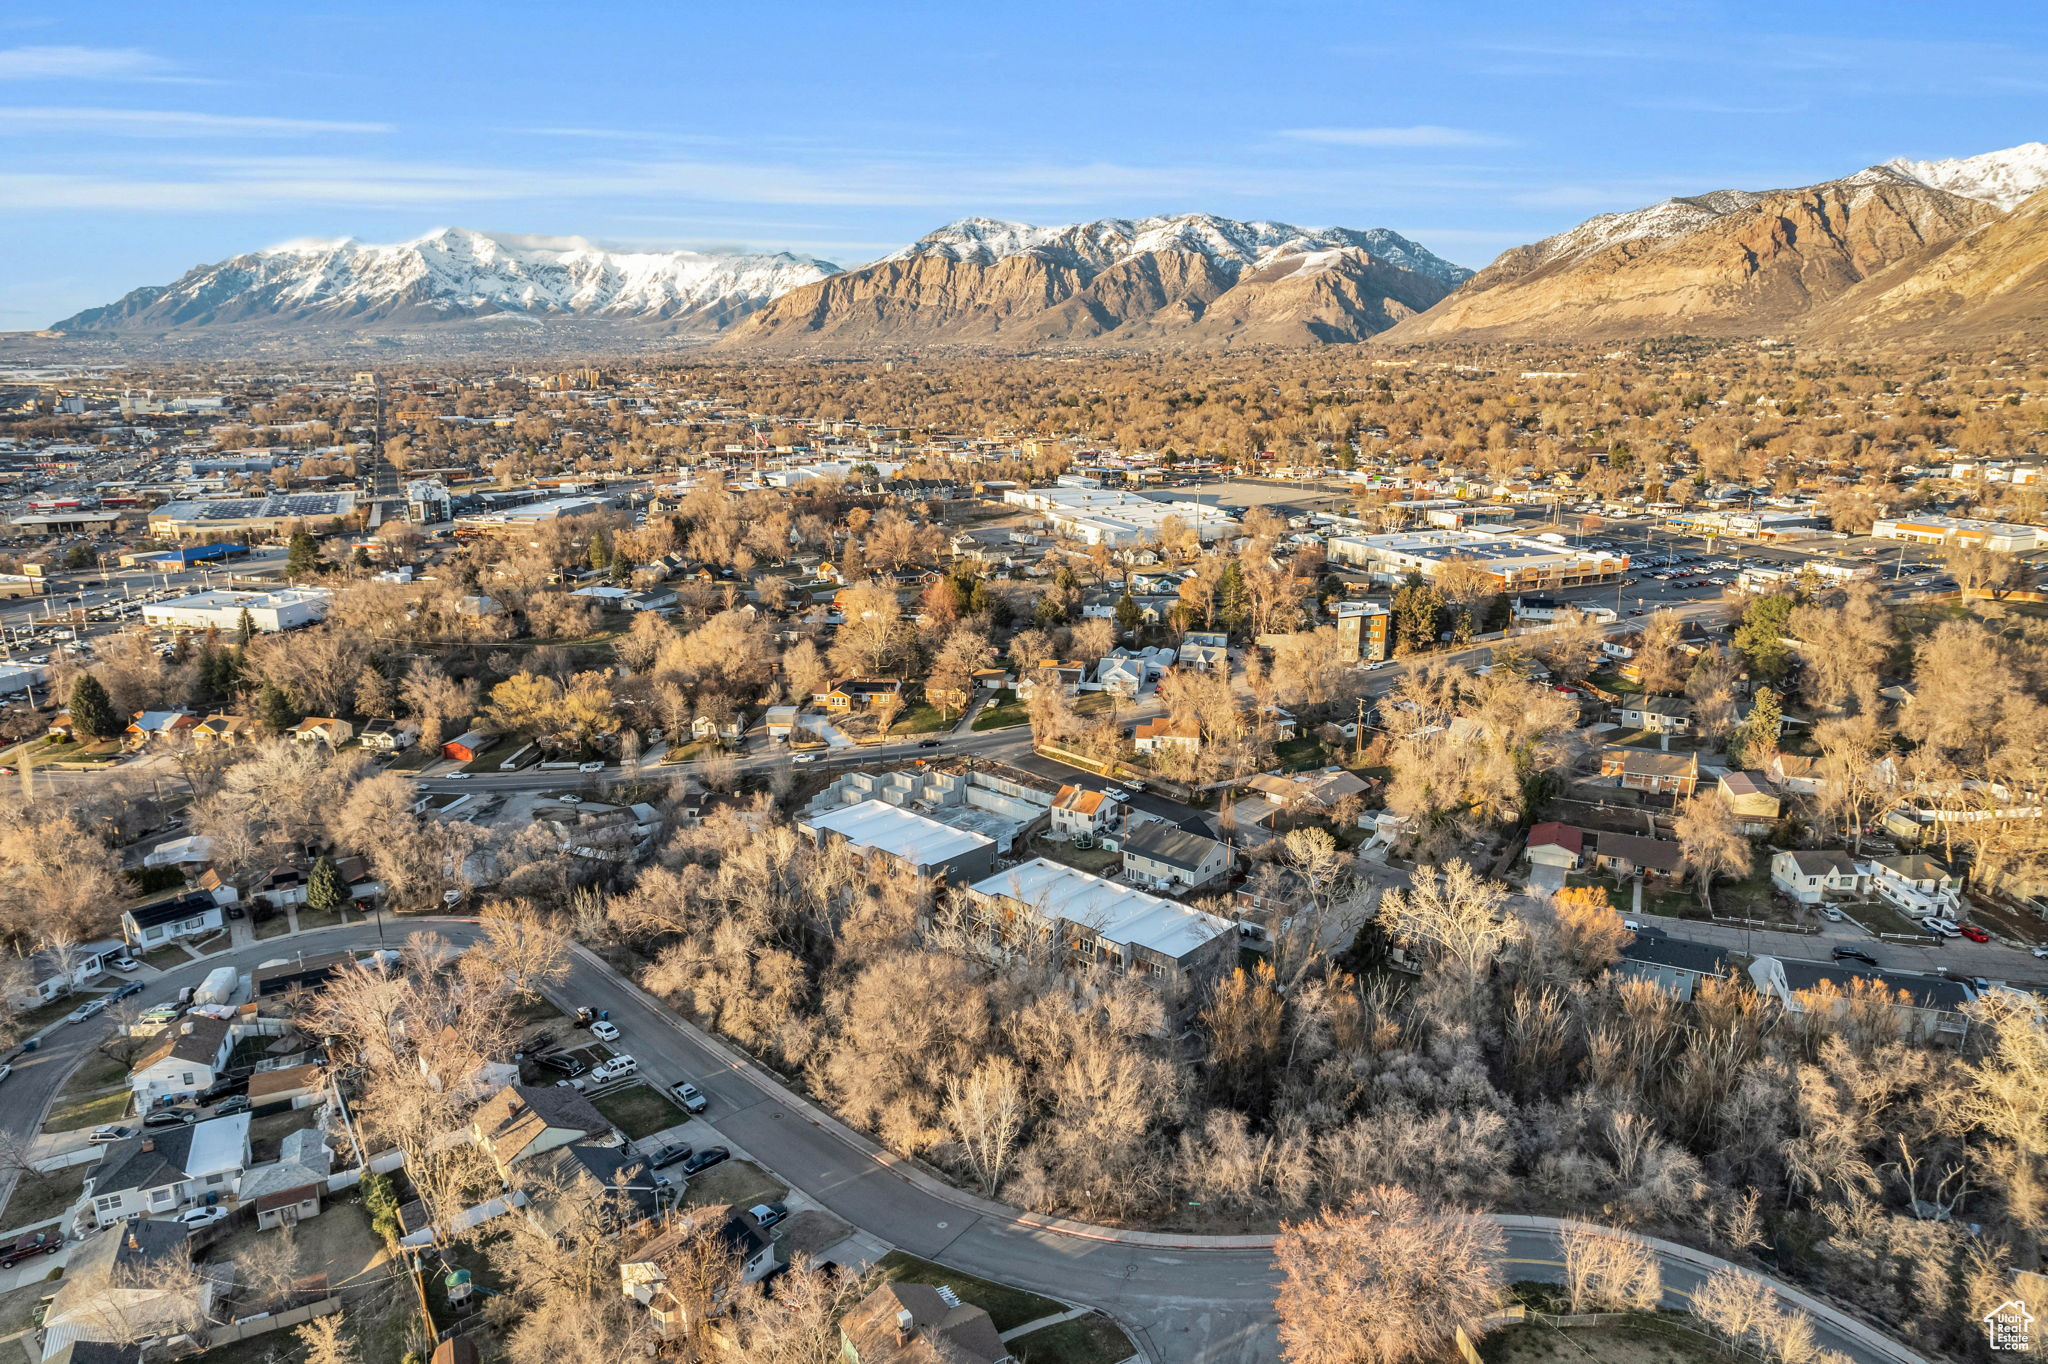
(669,1155)
(563,1062)
(125,963)
(457,776)
(689,1096)
(35,1243)
(605,1032)
(570,798)
(618,1068)
(590,767)
(92,1008)
(1852,954)
(231,1105)
(133,987)
(585,1016)
(202,1217)
(576,1084)
(2041,950)
(237,912)
(101,1136)
(1940,927)
(805,758)
(1831,914)
(170,1117)
(766,1215)
(223,1089)
(6,1071)
(1973,933)
(705,1159)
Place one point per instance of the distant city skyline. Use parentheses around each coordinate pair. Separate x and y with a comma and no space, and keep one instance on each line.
(142,141)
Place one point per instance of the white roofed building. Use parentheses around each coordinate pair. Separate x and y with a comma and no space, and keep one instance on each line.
(1105,923)
(918,843)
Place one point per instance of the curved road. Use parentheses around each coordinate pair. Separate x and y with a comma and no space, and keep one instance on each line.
(1186,1298)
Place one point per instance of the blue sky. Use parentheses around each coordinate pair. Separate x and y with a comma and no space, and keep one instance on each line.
(137,140)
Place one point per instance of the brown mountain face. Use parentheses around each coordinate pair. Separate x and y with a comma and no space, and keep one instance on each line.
(1725,266)
(1155,298)
(1987,285)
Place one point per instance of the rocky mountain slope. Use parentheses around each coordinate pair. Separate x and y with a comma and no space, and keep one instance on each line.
(456,274)
(1195,279)
(1743,262)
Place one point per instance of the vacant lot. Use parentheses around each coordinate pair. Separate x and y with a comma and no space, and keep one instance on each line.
(638,1111)
(18,1308)
(1651,1342)
(1009,1307)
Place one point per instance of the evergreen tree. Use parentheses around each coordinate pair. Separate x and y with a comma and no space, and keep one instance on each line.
(362,557)
(1760,638)
(600,553)
(245,628)
(275,711)
(92,710)
(1128,617)
(302,560)
(1233,603)
(1755,740)
(326,892)
(1049,613)
(1418,607)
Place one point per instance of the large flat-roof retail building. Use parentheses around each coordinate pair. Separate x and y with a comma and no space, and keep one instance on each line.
(1095,517)
(1957,530)
(285,608)
(249,515)
(1518,563)
(525,516)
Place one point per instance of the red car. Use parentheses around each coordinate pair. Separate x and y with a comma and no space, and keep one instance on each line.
(1974,933)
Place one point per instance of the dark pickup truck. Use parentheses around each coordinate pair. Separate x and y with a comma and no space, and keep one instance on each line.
(35,1243)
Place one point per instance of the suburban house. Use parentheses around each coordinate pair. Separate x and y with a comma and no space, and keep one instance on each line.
(644,1273)
(54,971)
(1552,844)
(296,1086)
(1928,1008)
(522,1122)
(1204,649)
(150,725)
(1126,676)
(191,915)
(1673,964)
(1097,922)
(301,973)
(921,845)
(609,1178)
(1792,772)
(193,850)
(225,729)
(1051,672)
(915,1323)
(1916,884)
(710,727)
(1626,855)
(1650,769)
(323,729)
(291,1188)
(186,1057)
(87,1306)
(1078,811)
(464,747)
(1656,714)
(1157,736)
(383,735)
(1165,857)
(779,721)
(1751,800)
(162,1171)
(1814,877)
(859,693)
(1317,790)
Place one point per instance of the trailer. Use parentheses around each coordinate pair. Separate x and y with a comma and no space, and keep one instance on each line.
(218,987)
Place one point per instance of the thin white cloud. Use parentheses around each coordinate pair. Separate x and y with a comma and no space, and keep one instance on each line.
(80,63)
(1421,135)
(169,123)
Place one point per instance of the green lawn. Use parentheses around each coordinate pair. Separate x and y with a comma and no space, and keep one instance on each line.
(738,1182)
(1009,1307)
(310,918)
(1093,1339)
(1002,713)
(76,1113)
(922,719)
(39,1199)
(1300,754)
(638,1111)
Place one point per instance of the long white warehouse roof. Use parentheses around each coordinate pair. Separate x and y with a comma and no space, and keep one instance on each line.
(1117,912)
(917,839)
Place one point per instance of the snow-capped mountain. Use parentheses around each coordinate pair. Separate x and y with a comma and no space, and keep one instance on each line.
(1740,262)
(457,273)
(1226,242)
(2001,178)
